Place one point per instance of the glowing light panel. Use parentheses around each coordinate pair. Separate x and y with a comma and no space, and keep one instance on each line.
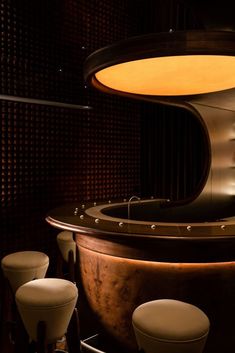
(171,75)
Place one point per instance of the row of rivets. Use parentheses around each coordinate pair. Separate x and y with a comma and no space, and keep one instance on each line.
(153,226)
(121,224)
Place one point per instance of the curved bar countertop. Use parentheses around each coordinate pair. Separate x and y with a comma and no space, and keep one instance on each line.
(124,263)
(147,240)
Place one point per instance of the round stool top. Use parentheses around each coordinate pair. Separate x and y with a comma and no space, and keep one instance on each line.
(24,260)
(46,292)
(65,236)
(66,244)
(168,319)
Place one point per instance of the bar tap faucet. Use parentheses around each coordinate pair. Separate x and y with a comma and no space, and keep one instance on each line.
(129,204)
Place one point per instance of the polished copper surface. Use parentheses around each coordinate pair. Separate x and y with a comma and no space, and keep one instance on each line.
(115,286)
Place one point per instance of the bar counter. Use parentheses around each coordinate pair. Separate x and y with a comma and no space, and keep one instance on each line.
(124,263)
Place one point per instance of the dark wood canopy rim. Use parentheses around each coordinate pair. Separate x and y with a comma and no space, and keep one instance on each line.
(157,45)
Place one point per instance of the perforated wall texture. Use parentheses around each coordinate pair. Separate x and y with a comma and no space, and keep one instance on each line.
(53,155)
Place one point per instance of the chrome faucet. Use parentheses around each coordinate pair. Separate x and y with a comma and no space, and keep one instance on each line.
(129,204)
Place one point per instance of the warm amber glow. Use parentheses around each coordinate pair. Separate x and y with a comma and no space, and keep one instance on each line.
(171,75)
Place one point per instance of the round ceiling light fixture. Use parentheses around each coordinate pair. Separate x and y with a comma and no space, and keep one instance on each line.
(165,64)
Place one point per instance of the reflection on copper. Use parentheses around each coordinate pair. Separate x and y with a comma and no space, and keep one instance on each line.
(115,286)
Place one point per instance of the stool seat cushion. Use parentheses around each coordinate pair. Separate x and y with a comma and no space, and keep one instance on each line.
(66,236)
(66,243)
(170,320)
(46,293)
(50,300)
(24,260)
(24,266)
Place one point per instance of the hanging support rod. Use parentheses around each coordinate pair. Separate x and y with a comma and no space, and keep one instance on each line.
(44,102)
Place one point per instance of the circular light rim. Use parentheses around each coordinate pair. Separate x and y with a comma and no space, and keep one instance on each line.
(157,45)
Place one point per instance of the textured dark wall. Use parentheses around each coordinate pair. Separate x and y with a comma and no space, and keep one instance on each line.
(173,152)
(50,155)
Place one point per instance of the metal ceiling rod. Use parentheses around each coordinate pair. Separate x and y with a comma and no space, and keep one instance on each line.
(44,102)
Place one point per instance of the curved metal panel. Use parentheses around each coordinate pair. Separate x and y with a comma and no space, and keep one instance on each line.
(216,111)
(218,194)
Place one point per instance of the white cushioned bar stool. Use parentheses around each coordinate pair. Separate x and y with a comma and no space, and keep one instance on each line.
(24,266)
(46,307)
(170,326)
(67,254)
(18,268)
